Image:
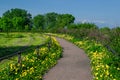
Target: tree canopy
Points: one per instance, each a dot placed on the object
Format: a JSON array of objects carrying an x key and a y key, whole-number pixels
[
  {"x": 16, "y": 18},
  {"x": 20, "y": 20},
  {"x": 39, "y": 22}
]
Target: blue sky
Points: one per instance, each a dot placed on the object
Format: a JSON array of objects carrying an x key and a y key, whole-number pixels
[{"x": 106, "y": 12}]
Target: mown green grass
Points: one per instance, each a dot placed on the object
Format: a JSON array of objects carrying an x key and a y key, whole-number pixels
[
  {"x": 20, "y": 39},
  {"x": 16, "y": 41}
]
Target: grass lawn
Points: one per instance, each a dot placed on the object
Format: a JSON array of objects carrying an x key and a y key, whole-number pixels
[{"x": 16, "y": 41}]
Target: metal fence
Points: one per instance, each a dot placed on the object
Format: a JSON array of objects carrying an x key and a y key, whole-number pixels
[{"x": 26, "y": 48}]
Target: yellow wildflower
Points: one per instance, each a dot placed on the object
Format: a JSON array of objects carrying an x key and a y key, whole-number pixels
[
  {"x": 96, "y": 74},
  {"x": 17, "y": 79},
  {"x": 107, "y": 66},
  {"x": 11, "y": 66},
  {"x": 101, "y": 75},
  {"x": 24, "y": 73},
  {"x": 31, "y": 70},
  {"x": 96, "y": 78},
  {"x": 118, "y": 68},
  {"x": 23, "y": 65},
  {"x": 107, "y": 72}
]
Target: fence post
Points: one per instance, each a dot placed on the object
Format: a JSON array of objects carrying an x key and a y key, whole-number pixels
[
  {"x": 49, "y": 43},
  {"x": 19, "y": 57},
  {"x": 37, "y": 51}
]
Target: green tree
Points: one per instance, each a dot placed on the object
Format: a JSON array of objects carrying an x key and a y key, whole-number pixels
[
  {"x": 51, "y": 19},
  {"x": 20, "y": 16},
  {"x": 6, "y": 24},
  {"x": 18, "y": 23},
  {"x": 65, "y": 20},
  {"x": 39, "y": 22},
  {"x": 0, "y": 25},
  {"x": 87, "y": 25},
  {"x": 105, "y": 30}
]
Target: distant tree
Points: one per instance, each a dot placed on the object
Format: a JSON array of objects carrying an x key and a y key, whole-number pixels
[
  {"x": 51, "y": 19},
  {"x": 87, "y": 26},
  {"x": 6, "y": 24},
  {"x": 83, "y": 26},
  {"x": 105, "y": 30},
  {"x": 0, "y": 25},
  {"x": 20, "y": 16},
  {"x": 18, "y": 23},
  {"x": 39, "y": 22},
  {"x": 65, "y": 20}
]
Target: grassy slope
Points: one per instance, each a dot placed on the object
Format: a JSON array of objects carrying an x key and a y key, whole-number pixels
[
  {"x": 17, "y": 40},
  {"x": 20, "y": 39}
]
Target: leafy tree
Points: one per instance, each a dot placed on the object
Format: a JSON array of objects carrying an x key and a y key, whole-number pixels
[
  {"x": 83, "y": 26},
  {"x": 0, "y": 25},
  {"x": 87, "y": 26},
  {"x": 20, "y": 16},
  {"x": 39, "y": 22},
  {"x": 65, "y": 20},
  {"x": 105, "y": 30},
  {"x": 51, "y": 19},
  {"x": 15, "y": 13},
  {"x": 6, "y": 24},
  {"x": 18, "y": 23}
]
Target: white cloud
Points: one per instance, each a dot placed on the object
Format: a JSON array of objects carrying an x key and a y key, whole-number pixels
[
  {"x": 99, "y": 21},
  {"x": 84, "y": 21},
  {"x": 93, "y": 21},
  {"x": 90, "y": 21}
]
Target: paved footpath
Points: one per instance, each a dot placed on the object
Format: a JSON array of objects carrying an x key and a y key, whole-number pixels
[{"x": 74, "y": 65}]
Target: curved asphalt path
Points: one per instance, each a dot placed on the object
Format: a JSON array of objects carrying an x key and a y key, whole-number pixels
[{"x": 74, "y": 65}]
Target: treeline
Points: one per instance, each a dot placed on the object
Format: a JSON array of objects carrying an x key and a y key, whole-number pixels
[{"x": 20, "y": 20}]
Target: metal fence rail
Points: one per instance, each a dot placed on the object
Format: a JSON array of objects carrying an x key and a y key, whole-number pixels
[{"x": 25, "y": 48}]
